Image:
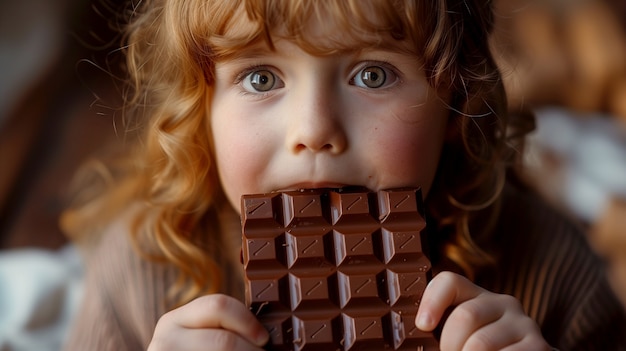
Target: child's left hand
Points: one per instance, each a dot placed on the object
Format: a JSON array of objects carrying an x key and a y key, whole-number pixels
[{"x": 480, "y": 320}]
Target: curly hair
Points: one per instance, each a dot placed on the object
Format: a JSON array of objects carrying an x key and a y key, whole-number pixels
[{"x": 171, "y": 47}]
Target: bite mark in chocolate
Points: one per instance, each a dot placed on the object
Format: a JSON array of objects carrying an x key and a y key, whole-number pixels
[{"x": 337, "y": 269}]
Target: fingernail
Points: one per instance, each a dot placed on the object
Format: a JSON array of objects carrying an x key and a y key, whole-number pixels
[
  {"x": 424, "y": 321},
  {"x": 262, "y": 337}
]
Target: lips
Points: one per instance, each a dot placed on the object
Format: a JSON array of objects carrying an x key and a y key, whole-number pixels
[{"x": 315, "y": 185}]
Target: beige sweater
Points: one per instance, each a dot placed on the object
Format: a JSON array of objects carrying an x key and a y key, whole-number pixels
[{"x": 545, "y": 263}]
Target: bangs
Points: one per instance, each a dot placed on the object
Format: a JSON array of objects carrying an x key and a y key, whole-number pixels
[{"x": 320, "y": 27}]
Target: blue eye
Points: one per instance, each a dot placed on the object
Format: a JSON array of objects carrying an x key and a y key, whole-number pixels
[
  {"x": 261, "y": 80},
  {"x": 374, "y": 77}
]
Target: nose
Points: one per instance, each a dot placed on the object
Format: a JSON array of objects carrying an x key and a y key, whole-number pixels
[{"x": 315, "y": 124}]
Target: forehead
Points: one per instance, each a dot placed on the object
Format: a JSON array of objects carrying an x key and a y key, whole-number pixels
[{"x": 319, "y": 27}]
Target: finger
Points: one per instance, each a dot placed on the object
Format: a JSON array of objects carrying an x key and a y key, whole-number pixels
[
  {"x": 201, "y": 340},
  {"x": 533, "y": 342},
  {"x": 526, "y": 334},
  {"x": 444, "y": 290},
  {"x": 473, "y": 321},
  {"x": 221, "y": 311},
  {"x": 496, "y": 335}
]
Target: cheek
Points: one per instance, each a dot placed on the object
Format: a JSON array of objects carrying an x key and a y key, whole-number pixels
[
  {"x": 409, "y": 151},
  {"x": 239, "y": 151},
  {"x": 239, "y": 163}
]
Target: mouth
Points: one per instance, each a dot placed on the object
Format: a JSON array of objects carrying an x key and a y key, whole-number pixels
[{"x": 317, "y": 185}]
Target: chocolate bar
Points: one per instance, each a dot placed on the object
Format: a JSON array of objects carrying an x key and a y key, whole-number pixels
[{"x": 337, "y": 269}]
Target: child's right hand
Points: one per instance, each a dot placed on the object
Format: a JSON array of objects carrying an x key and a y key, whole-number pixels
[{"x": 216, "y": 322}]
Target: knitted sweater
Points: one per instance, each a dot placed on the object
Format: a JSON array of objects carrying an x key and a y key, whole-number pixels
[{"x": 544, "y": 261}]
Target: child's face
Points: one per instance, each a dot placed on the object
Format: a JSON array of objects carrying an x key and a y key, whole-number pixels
[{"x": 286, "y": 119}]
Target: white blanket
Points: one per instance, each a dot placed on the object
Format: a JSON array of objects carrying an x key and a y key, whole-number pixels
[
  {"x": 591, "y": 149},
  {"x": 39, "y": 292}
]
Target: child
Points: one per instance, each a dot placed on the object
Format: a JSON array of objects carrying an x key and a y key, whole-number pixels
[{"x": 254, "y": 96}]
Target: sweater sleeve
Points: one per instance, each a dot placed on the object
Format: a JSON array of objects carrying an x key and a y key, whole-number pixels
[
  {"x": 598, "y": 323},
  {"x": 547, "y": 264},
  {"x": 123, "y": 296}
]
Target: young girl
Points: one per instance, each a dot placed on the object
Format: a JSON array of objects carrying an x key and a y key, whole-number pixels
[{"x": 254, "y": 96}]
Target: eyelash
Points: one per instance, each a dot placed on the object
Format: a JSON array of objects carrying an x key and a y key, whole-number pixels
[
  {"x": 239, "y": 78},
  {"x": 371, "y": 63},
  {"x": 245, "y": 72}
]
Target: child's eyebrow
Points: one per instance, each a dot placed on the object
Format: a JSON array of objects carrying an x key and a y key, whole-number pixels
[{"x": 252, "y": 51}]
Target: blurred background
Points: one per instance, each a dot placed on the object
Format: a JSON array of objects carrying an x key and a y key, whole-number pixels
[
  {"x": 566, "y": 61},
  {"x": 59, "y": 102},
  {"x": 60, "y": 97}
]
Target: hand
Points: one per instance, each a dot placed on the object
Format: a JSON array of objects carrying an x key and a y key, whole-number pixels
[
  {"x": 480, "y": 320},
  {"x": 213, "y": 322}
]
